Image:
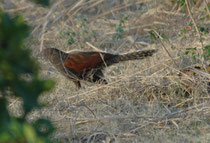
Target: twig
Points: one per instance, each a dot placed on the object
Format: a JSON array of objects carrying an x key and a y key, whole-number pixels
[
  {"x": 95, "y": 48},
  {"x": 94, "y": 5},
  {"x": 169, "y": 115},
  {"x": 42, "y": 36},
  {"x": 107, "y": 118},
  {"x": 206, "y": 7},
  {"x": 20, "y": 9},
  {"x": 196, "y": 27},
  {"x": 207, "y": 75},
  {"x": 83, "y": 104},
  {"x": 47, "y": 16},
  {"x": 159, "y": 37},
  {"x": 118, "y": 8}
]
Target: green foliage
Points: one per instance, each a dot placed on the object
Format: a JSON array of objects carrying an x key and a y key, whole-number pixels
[
  {"x": 120, "y": 28},
  {"x": 69, "y": 35},
  {"x": 19, "y": 77},
  {"x": 163, "y": 35},
  {"x": 85, "y": 32},
  {"x": 43, "y": 2},
  {"x": 192, "y": 51},
  {"x": 183, "y": 32},
  {"x": 206, "y": 52},
  {"x": 21, "y": 133},
  {"x": 83, "y": 26},
  {"x": 203, "y": 30},
  {"x": 152, "y": 36},
  {"x": 181, "y": 2}
]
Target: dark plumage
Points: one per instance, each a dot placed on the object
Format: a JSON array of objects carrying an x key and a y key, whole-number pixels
[{"x": 88, "y": 66}]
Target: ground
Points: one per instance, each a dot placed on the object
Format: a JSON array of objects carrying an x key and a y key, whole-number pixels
[{"x": 157, "y": 99}]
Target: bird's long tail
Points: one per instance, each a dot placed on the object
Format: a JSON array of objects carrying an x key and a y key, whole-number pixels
[
  {"x": 136, "y": 55},
  {"x": 132, "y": 56}
]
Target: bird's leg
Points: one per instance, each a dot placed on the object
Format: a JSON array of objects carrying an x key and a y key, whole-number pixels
[
  {"x": 99, "y": 77},
  {"x": 77, "y": 83}
]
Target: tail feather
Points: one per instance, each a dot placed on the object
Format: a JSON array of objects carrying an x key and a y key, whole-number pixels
[{"x": 132, "y": 56}]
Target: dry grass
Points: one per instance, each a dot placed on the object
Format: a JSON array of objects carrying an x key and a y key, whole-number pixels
[{"x": 145, "y": 100}]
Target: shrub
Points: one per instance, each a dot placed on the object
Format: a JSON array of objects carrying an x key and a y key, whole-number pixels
[{"x": 19, "y": 77}]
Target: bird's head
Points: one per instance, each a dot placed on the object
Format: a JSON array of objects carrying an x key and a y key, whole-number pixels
[
  {"x": 52, "y": 54},
  {"x": 49, "y": 51}
]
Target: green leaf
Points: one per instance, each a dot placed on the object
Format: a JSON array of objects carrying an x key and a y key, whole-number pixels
[
  {"x": 44, "y": 127},
  {"x": 152, "y": 36},
  {"x": 4, "y": 115},
  {"x": 206, "y": 53},
  {"x": 19, "y": 76},
  {"x": 43, "y": 2},
  {"x": 165, "y": 37},
  {"x": 29, "y": 133}
]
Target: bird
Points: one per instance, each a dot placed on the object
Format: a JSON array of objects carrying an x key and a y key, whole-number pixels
[{"x": 88, "y": 66}]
